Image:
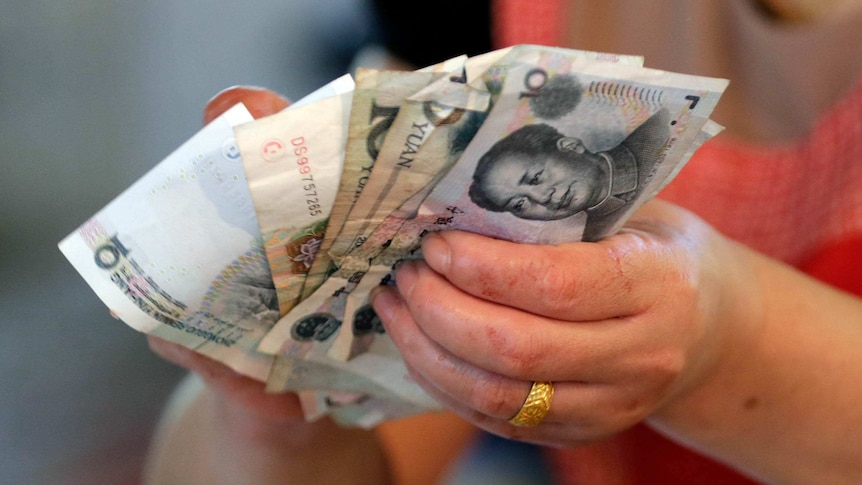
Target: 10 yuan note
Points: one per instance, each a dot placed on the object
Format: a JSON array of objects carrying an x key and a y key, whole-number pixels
[
  {"x": 569, "y": 151},
  {"x": 376, "y": 101}
]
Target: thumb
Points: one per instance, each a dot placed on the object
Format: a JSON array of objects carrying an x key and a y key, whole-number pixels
[{"x": 259, "y": 101}]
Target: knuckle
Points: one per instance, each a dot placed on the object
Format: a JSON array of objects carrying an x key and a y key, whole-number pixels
[
  {"x": 490, "y": 398},
  {"x": 664, "y": 369},
  {"x": 546, "y": 279},
  {"x": 519, "y": 357},
  {"x": 556, "y": 287}
]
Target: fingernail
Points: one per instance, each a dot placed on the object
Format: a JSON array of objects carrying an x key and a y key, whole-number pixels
[
  {"x": 383, "y": 299},
  {"x": 405, "y": 277},
  {"x": 437, "y": 252},
  {"x": 377, "y": 290}
]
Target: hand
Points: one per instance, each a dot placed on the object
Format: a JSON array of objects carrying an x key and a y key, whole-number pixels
[
  {"x": 235, "y": 389},
  {"x": 622, "y": 327}
]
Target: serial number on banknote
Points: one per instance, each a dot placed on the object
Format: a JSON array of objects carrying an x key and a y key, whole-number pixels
[{"x": 312, "y": 201}]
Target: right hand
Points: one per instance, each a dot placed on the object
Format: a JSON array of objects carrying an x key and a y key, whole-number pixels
[{"x": 623, "y": 327}]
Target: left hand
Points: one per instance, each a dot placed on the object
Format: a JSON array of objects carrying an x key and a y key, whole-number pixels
[{"x": 622, "y": 327}]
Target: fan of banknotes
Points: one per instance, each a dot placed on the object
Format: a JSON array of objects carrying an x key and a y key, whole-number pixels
[{"x": 257, "y": 242}]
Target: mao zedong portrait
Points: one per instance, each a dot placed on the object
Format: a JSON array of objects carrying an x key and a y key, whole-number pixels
[{"x": 538, "y": 173}]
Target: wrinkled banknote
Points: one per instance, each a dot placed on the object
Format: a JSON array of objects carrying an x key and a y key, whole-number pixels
[
  {"x": 571, "y": 145},
  {"x": 293, "y": 162},
  {"x": 570, "y": 149},
  {"x": 377, "y": 98},
  {"x": 376, "y": 102},
  {"x": 532, "y": 144},
  {"x": 178, "y": 255},
  {"x": 423, "y": 146}
]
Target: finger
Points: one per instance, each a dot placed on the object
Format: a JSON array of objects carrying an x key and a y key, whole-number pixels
[
  {"x": 577, "y": 281},
  {"x": 206, "y": 367},
  {"x": 236, "y": 387},
  {"x": 571, "y": 430},
  {"x": 516, "y": 344},
  {"x": 498, "y": 396},
  {"x": 579, "y": 411},
  {"x": 494, "y": 395},
  {"x": 259, "y": 102}
]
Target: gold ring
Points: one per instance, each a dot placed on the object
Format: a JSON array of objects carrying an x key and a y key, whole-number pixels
[{"x": 536, "y": 406}]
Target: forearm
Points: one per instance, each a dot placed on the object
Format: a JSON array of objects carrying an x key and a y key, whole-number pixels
[
  {"x": 783, "y": 404},
  {"x": 213, "y": 442}
]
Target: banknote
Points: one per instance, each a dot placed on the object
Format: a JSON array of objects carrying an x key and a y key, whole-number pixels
[
  {"x": 310, "y": 339},
  {"x": 571, "y": 146},
  {"x": 295, "y": 218},
  {"x": 423, "y": 139},
  {"x": 431, "y": 128},
  {"x": 178, "y": 254},
  {"x": 293, "y": 162},
  {"x": 422, "y": 145},
  {"x": 629, "y": 129},
  {"x": 376, "y": 101}
]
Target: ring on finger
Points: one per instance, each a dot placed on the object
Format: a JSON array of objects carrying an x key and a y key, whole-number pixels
[{"x": 536, "y": 406}]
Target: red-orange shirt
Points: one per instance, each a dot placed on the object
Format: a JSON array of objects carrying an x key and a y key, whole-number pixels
[{"x": 799, "y": 202}]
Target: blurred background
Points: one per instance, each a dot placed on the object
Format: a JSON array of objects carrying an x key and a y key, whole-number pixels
[{"x": 93, "y": 94}]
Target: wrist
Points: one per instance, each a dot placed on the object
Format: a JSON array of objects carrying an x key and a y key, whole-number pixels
[{"x": 720, "y": 382}]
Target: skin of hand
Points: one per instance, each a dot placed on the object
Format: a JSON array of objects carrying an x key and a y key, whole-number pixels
[
  {"x": 621, "y": 326},
  {"x": 667, "y": 322},
  {"x": 241, "y": 434}
]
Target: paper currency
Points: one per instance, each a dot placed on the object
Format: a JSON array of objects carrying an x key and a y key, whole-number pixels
[
  {"x": 178, "y": 255},
  {"x": 424, "y": 140},
  {"x": 570, "y": 149},
  {"x": 430, "y": 129},
  {"x": 531, "y": 144},
  {"x": 293, "y": 162},
  {"x": 376, "y": 101},
  {"x": 571, "y": 146},
  {"x": 421, "y": 156},
  {"x": 628, "y": 139},
  {"x": 310, "y": 340}
]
